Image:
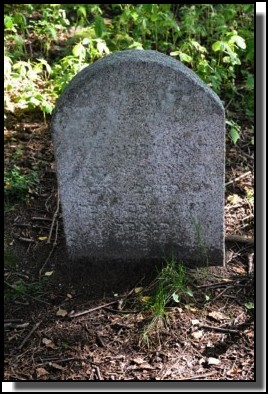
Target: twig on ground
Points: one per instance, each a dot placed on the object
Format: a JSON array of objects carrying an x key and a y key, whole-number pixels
[
  {"x": 46, "y": 261},
  {"x": 205, "y": 375},
  {"x": 248, "y": 217},
  {"x": 250, "y": 263},
  {"x": 239, "y": 239},
  {"x": 54, "y": 218},
  {"x": 52, "y": 250},
  {"x": 47, "y": 200},
  {"x": 9, "y": 285},
  {"x": 99, "y": 340},
  {"x": 37, "y": 299},
  {"x": 105, "y": 305},
  {"x": 120, "y": 311},
  {"x": 220, "y": 329},
  {"x": 58, "y": 361},
  {"x": 238, "y": 178},
  {"x": 16, "y": 273},
  {"x": 221, "y": 293},
  {"x": 56, "y": 234},
  {"x": 26, "y": 239},
  {"x": 18, "y": 325},
  {"x": 30, "y": 333},
  {"x": 97, "y": 369},
  {"x": 215, "y": 285},
  {"x": 43, "y": 219},
  {"x": 13, "y": 321},
  {"x": 92, "y": 309},
  {"x": 21, "y": 303},
  {"x": 136, "y": 285}
]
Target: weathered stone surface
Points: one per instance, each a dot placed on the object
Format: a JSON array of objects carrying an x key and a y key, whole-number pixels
[{"x": 139, "y": 143}]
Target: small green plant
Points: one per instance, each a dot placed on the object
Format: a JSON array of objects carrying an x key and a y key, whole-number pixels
[
  {"x": 159, "y": 301},
  {"x": 17, "y": 184},
  {"x": 168, "y": 287},
  {"x": 154, "y": 327},
  {"x": 19, "y": 290},
  {"x": 234, "y": 130},
  {"x": 249, "y": 305}
]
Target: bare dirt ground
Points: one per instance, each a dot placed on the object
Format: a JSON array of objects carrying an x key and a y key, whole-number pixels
[{"x": 209, "y": 337}]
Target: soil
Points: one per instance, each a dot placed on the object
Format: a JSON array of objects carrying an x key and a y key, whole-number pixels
[{"x": 206, "y": 337}]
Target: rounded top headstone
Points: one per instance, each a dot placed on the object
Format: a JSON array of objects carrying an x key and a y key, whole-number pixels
[
  {"x": 141, "y": 59},
  {"x": 139, "y": 143}
]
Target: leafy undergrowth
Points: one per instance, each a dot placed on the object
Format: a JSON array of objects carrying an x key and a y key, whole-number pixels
[
  {"x": 47, "y": 44},
  {"x": 206, "y": 329}
]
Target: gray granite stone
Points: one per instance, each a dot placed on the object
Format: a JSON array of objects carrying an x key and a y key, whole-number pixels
[{"x": 140, "y": 145}]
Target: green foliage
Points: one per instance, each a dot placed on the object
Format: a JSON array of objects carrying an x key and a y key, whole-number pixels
[
  {"x": 19, "y": 290},
  {"x": 172, "y": 278},
  {"x": 47, "y": 44},
  {"x": 18, "y": 185},
  {"x": 169, "y": 287},
  {"x": 23, "y": 82},
  {"x": 234, "y": 130},
  {"x": 249, "y": 305}
]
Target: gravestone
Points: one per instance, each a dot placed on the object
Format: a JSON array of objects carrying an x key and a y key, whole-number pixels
[{"x": 139, "y": 144}]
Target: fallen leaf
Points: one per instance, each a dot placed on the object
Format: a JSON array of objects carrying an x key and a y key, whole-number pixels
[
  {"x": 175, "y": 297},
  {"x": 69, "y": 296},
  {"x": 41, "y": 372},
  {"x": 57, "y": 366},
  {"x": 213, "y": 361},
  {"x": 145, "y": 366},
  {"x": 49, "y": 273},
  {"x": 195, "y": 322},
  {"x": 61, "y": 312},
  {"x": 49, "y": 343},
  {"x": 234, "y": 199},
  {"x": 193, "y": 309},
  {"x": 190, "y": 308},
  {"x": 138, "y": 360},
  {"x": 42, "y": 238},
  {"x": 238, "y": 270},
  {"x": 233, "y": 371},
  {"x": 138, "y": 290},
  {"x": 249, "y": 333},
  {"x": 197, "y": 334},
  {"x": 218, "y": 315},
  {"x": 145, "y": 298}
]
